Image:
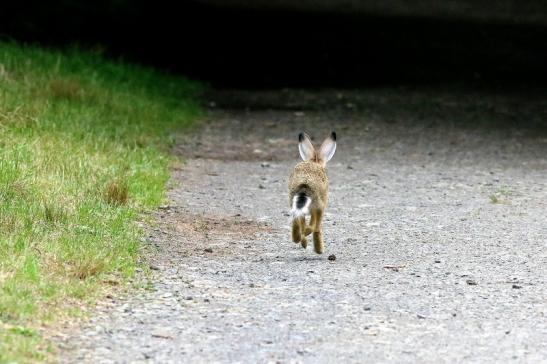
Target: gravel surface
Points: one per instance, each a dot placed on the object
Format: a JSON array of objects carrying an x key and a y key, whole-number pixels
[{"x": 435, "y": 227}]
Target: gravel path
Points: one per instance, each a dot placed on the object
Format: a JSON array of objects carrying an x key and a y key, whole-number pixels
[{"x": 436, "y": 218}]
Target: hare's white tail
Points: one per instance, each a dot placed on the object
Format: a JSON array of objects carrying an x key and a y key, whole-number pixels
[{"x": 300, "y": 205}]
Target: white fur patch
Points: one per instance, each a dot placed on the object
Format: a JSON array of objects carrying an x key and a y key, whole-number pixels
[{"x": 305, "y": 210}]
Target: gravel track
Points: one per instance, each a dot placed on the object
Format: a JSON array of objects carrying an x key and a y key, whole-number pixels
[{"x": 436, "y": 218}]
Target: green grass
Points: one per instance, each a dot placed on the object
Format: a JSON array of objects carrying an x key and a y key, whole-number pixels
[
  {"x": 83, "y": 151},
  {"x": 501, "y": 195}
]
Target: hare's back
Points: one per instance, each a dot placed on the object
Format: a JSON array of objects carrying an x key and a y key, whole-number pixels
[{"x": 310, "y": 174}]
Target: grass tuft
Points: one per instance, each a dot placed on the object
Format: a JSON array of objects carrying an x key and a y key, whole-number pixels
[
  {"x": 116, "y": 193},
  {"x": 53, "y": 214},
  {"x": 66, "y": 89},
  {"x": 23, "y": 331},
  {"x": 72, "y": 123}
]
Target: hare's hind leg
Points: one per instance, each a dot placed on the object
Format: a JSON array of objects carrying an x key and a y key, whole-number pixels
[
  {"x": 298, "y": 226},
  {"x": 296, "y": 231},
  {"x": 303, "y": 241},
  {"x": 311, "y": 227},
  {"x": 317, "y": 216}
]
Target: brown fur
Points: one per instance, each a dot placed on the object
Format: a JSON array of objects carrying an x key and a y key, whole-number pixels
[{"x": 310, "y": 177}]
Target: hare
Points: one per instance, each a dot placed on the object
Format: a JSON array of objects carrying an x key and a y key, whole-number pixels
[{"x": 308, "y": 189}]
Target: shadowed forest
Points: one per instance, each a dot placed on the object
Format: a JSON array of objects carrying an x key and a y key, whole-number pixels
[{"x": 314, "y": 44}]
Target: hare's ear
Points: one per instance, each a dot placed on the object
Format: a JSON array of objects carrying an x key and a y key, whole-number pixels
[
  {"x": 307, "y": 151},
  {"x": 328, "y": 148}
]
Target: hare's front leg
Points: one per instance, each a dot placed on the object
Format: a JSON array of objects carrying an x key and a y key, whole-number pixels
[{"x": 317, "y": 217}]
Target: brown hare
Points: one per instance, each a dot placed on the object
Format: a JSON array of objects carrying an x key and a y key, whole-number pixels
[{"x": 308, "y": 190}]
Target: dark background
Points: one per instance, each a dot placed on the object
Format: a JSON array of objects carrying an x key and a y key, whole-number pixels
[{"x": 265, "y": 44}]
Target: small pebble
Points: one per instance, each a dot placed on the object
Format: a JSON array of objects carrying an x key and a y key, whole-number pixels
[
  {"x": 208, "y": 250},
  {"x": 162, "y": 333},
  {"x": 471, "y": 282}
]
